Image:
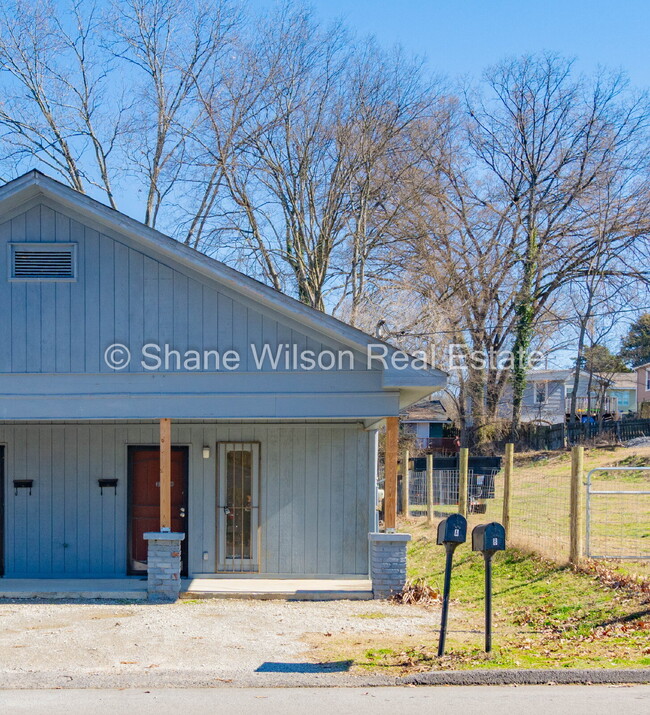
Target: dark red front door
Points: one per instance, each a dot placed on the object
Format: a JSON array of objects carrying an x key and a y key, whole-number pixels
[{"x": 144, "y": 501}]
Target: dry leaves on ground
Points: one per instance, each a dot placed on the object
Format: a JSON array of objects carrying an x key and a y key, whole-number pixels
[{"x": 417, "y": 592}]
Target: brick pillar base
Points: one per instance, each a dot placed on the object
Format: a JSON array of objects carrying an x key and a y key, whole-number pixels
[
  {"x": 164, "y": 565},
  {"x": 387, "y": 563}
]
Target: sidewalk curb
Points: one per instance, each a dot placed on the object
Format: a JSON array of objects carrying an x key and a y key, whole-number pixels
[
  {"x": 218, "y": 679},
  {"x": 567, "y": 676}
]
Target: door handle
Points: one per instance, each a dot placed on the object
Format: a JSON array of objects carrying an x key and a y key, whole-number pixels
[{"x": 182, "y": 512}]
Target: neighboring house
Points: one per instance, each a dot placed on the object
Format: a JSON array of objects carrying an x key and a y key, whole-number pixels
[
  {"x": 642, "y": 373},
  {"x": 624, "y": 389},
  {"x": 426, "y": 421},
  {"x": 268, "y": 469},
  {"x": 547, "y": 397}
]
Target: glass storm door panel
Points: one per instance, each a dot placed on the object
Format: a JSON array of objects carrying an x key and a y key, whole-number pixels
[{"x": 238, "y": 508}]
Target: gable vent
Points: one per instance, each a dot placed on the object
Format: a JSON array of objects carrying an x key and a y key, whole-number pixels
[{"x": 43, "y": 262}]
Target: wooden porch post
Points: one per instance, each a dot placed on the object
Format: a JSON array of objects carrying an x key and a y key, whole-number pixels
[
  {"x": 165, "y": 474},
  {"x": 390, "y": 474}
]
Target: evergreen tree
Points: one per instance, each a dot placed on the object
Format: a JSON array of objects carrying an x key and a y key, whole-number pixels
[
  {"x": 598, "y": 360},
  {"x": 635, "y": 348}
]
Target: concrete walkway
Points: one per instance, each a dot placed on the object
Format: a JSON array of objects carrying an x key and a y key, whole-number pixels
[{"x": 281, "y": 589}]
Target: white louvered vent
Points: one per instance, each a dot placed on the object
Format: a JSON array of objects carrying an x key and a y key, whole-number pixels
[{"x": 42, "y": 261}]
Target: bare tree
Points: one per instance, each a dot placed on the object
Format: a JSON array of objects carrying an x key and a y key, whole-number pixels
[
  {"x": 617, "y": 214},
  {"x": 53, "y": 106},
  {"x": 543, "y": 138},
  {"x": 305, "y": 144},
  {"x": 172, "y": 43}
]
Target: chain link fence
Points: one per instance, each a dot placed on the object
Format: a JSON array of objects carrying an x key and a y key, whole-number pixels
[{"x": 445, "y": 491}]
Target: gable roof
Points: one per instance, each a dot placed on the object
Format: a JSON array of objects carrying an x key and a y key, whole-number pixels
[{"x": 412, "y": 382}]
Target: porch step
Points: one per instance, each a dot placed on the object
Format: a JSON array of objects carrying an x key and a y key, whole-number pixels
[
  {"x": 278, "y": 589},
  {"x": 71, "y": 588}
]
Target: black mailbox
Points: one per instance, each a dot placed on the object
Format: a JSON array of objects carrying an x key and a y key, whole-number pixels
[
  {"x": 452, "y": 530},
  {"x": 489, "y": 537}
]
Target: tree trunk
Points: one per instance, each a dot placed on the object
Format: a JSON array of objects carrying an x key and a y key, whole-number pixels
[{"x": 523, "y": 332}]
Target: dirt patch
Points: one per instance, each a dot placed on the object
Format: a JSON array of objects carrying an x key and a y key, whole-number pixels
[{"x": 232, "y": 638}]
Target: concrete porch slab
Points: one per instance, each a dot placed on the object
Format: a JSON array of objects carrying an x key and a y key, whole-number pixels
[
  {"x": 135, "y": 589},
  {"x": 131, "y": 589},
  {"x": 279, "y": 589}
]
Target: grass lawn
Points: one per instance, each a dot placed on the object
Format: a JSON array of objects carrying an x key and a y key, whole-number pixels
[{"x": 545, "y": 615}]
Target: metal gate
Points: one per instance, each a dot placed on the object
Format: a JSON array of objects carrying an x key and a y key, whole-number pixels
[{"x": 618, "y": 519}]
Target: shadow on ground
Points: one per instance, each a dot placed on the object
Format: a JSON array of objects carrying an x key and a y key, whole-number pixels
[{"x": 337, "y": 666}]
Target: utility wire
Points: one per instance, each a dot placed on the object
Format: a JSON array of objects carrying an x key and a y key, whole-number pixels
[{"x": 404, "y": 333}]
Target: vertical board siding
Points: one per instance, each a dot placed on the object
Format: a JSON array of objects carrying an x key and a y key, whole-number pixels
[
  {"x": 122, "y": 294},
  {"x": 315, "y": 482}
]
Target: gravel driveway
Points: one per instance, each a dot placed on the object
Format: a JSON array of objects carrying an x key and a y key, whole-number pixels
[{"x": 227, "y": 639}]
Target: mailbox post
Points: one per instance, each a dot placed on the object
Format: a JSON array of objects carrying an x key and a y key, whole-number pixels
[
  {"x": 488, "y": 538},
  {"x": 452, "y": 531}
]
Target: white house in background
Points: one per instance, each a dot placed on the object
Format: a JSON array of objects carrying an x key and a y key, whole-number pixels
[{"x": 547, "y": 397}]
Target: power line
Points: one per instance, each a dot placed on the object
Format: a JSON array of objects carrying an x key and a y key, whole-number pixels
[{"x": 404, "y": 333}]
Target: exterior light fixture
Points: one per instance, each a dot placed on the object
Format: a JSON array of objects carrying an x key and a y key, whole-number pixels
[{"x": 206, "y": 452}]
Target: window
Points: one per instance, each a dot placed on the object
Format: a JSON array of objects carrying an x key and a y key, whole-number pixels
[
  {"x": 623, "y": 397},
  {"x": 647, "y": 379},
  {"x": 540, "y": 392},
  {"x": 43, "y": 261}
]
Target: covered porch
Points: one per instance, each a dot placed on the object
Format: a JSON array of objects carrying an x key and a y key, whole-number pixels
[
  {"x": 299, "y": 508},
  {"x": 306, "y": 495}
]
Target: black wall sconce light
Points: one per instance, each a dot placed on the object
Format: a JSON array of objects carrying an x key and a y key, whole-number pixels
[
  {"x": 23, "y": 484},
  {"x": 107, "y": 484}
]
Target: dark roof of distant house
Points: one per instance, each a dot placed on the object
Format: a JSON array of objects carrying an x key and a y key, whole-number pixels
[{"x": 425, "y": 411}]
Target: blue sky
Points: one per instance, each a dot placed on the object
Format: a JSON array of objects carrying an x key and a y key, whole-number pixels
[{"x": 461, "y": 37}]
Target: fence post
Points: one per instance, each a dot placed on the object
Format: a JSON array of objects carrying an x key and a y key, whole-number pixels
[
  {"x": 507, "y": 481},
  {"x": 429, "y": 489},
  {"x": 405, "y": 482},
  {"x": 463, "y": 464},
  {"x": 576, "y": 512}
]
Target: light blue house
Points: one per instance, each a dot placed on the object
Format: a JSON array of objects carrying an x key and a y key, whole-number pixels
[{"x": 108, "y": 327}]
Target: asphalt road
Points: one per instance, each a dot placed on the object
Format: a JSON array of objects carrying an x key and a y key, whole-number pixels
[{"x": 529, "y": 699}]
